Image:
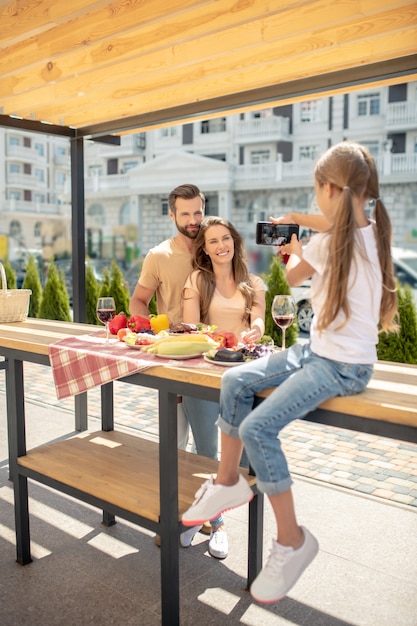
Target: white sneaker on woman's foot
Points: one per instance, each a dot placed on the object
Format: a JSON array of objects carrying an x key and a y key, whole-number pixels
[
  {"x": 218, "y": 544},
  {"x": 283, "y": 568},
  {"x": 188, "y": 535},
  {"x": 211, "y": 500}
]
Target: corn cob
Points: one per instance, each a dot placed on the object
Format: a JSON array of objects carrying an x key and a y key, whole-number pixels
[
  {"x": 179, "y": 348},
  {"x": 186, "y": 337}
]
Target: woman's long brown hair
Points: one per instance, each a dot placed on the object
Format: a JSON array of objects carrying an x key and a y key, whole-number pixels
[
  {"x": 351, "y": 167},
  {"x": 206, "y": 280}
]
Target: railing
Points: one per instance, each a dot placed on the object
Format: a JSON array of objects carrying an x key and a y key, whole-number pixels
[
  {"x": 401, "y": 114},
  {"x": 31, "y": 207},
  {"x": 272, "y": 128},
  {"x": 104, "y": 183}
]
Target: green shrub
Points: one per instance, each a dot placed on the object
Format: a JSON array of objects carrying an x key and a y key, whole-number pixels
[
  {"x": 92, "y": 289},
  {"x": 55, "y": 301},
  {"x": 32, "y": 281},
  {"x": 118, "y": 288},
  {"x": 276, "y": 284},
  {"x": 10, "y": 275},
  {"x": 401, "y": 347}
]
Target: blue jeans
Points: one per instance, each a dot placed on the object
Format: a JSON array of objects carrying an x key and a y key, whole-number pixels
[{"x": 303, "y": 380}]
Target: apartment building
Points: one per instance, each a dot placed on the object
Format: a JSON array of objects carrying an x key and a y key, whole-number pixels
[{"x": 249, "y": 165}]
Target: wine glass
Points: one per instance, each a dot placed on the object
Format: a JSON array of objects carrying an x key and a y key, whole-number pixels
[
  {"x": 283, "y": 313},
  {"x": 106, "y": 310}
]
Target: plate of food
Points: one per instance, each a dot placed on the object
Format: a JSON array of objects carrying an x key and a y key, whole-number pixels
[
  {"x": 222, "y": 363},
  {"x": 177, "y": 357}
]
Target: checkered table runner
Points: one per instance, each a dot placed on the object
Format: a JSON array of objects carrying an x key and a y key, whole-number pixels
[{"x": 81, "y": 363}]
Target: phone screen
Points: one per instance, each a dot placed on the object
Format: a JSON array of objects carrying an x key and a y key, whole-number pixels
[{"x": 268, "y": 234}]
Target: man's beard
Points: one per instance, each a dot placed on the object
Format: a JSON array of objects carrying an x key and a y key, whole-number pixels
[{"x": 190, "y": 234}]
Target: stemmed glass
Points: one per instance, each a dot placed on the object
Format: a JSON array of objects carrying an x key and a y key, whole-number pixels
[
  {"x": 283, "y": 313},
  {"x": 106, "y": 310}
]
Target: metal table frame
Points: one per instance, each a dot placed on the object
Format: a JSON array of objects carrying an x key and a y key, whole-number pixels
[{"x": 168, "y": 527}]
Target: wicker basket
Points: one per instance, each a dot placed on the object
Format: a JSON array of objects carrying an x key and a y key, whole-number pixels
[{"x": 14, "y": 303}]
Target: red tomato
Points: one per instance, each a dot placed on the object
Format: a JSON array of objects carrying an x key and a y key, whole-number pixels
[
  {"x": 121, "y": 334},
  {"x": 229, "y": 338}
]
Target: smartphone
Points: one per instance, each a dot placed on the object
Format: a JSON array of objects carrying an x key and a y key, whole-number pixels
[{"x": 268, "y": 234}]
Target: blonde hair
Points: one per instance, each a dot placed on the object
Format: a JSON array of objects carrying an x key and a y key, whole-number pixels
[
  {"x": 206, "y": 280},
  {"x": 351, "y": 168}
]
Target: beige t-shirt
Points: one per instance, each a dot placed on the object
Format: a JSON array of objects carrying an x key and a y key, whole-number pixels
[
  {"x": 227, "y": 313},
  {"x": 165, "y": 270}
]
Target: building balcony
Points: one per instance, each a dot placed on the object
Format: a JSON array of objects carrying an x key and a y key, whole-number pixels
[
  {"x": 115, "y": 182},
  {"x": 401, "y": 116},
  {"x": 274, "y": 174},
  {"x": 263, "y": 129},
  {"x": 22, "y": 153},
  {"x": 30, "y": 207},
  {"x": 24, "y": 181}
]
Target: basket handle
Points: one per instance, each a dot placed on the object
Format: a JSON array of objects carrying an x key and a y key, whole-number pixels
[{"x": 3, "y": 278}]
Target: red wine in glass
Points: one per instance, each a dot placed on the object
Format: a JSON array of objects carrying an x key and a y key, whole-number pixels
[
  {"x": 106, "y": 310},
  {"x": 283, "y": 311}
]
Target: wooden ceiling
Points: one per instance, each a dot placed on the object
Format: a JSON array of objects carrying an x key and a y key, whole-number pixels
[{"x": 101, "y": 67}]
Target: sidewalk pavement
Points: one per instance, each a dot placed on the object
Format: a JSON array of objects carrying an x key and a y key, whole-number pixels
[
  {"x": 86, "y": 574},
  {"x": 363, "y": 463}
]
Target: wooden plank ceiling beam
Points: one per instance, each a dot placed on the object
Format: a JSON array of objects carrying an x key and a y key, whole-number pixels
[{"x": 103, "y": 64}]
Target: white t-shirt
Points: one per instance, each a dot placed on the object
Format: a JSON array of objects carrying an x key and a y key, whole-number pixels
[
  {"x": 227, "y": 313},
  {"x": 355, "y": 341}
]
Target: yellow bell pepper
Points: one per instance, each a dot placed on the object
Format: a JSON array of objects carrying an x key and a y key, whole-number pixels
[{"x": 159, "y": 322}]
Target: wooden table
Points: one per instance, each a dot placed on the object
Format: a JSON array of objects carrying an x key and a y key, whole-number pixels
[{"x": 144, "y": 482}]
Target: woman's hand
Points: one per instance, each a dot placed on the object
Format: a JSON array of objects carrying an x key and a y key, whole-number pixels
[{"x": 251, "y": 336}]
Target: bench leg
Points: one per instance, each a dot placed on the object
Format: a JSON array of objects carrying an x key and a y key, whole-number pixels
[
  {"x": 107, "y": 424},
  {"x": 255, "y": 537}
]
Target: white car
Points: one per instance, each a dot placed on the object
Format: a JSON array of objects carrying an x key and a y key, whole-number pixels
[{"x": 405, "y": 264}]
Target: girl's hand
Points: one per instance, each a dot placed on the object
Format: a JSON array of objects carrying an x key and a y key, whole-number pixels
[{"x": 294, "y": 247}]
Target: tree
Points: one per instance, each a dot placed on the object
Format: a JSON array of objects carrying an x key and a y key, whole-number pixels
[
  {"x": 92, "y": 289},
  {"x": 32, "y": 281},
  {"x": 55, "y": 301},
  {"x": 10, "y": 275},
  {"x": 401, "y": 347},
  {"x": 105, "y": 289},
  {"x": 277, "y": 284},
  {"x": 118, "y": 288}
]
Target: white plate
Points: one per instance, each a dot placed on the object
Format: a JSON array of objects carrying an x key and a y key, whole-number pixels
[
  {"x": 223, "y": 363},
  {"x": 177, "y": 357}
]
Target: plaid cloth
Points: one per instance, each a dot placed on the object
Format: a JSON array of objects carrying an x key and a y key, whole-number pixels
[{"x": 81, "y": 363}]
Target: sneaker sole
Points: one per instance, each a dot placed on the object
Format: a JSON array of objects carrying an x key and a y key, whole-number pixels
[{"x": 195, "y": 522}]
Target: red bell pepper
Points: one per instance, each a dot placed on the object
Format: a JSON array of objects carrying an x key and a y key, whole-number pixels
[
  {"x": 119, "y": 321},
  {"x": 139, "y": 323}
]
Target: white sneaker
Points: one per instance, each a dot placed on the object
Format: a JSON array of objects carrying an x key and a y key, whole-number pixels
[
  {"x": 211, "y": 500},
  {"x": 283, "y": 568},
  {"x": 218, "y": 545},
  {"x": 188, "y": 535}
]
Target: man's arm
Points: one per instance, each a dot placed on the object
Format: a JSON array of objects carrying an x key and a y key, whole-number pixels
[{"x": 139, "y": 302}]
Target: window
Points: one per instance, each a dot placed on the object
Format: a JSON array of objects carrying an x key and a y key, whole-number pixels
[
  {"x": 39, "y": 198},
  {"x": 164, "y": 207},
  {"x": 60, "y": 151},
  {"x": 369, "y": 104},
  {"x": 213, "y": 126},
  {"x": 309, "y": 111},
  {"x": 260, "y": 156},
  {"x": 373, "y": 147},
  {"x": 308, "y": 153},
  {"x": 40, "y": 149},
  {"x": 13, "y": 195},
  {"x": 37, "y": 231},
  {"x": 14, "y": 141},
  {"x": 129, "y": 165},
  {"x": 40, "y": 175},
  {"x": 14, "y": 168},
  {"x": 15, "y": 228},
  {"x": 168, "y": 131},
  {"x": 219, "y": 157},
  {"x": 60, "y": 178}
]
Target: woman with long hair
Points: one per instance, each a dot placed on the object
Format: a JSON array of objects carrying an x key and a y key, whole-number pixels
[{"x": 220, "y": 292}]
